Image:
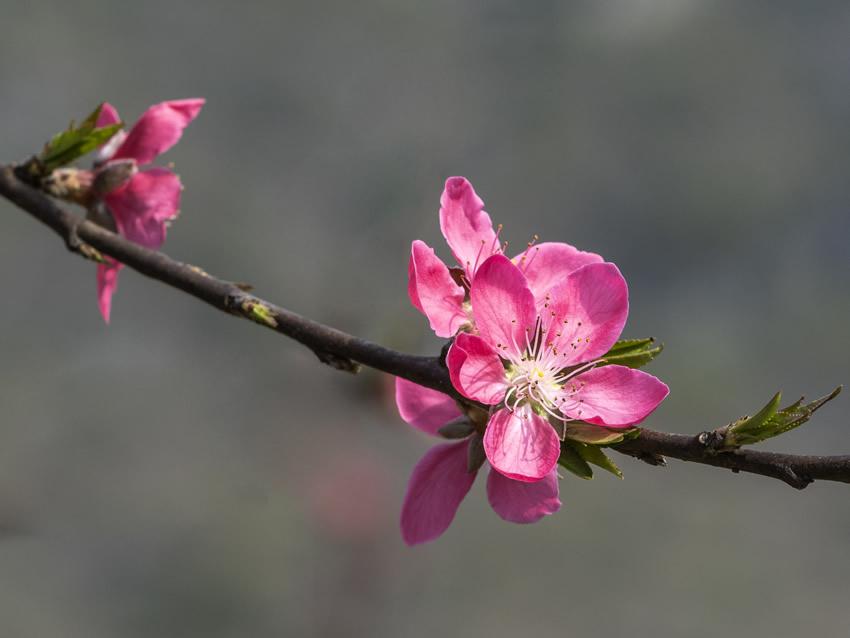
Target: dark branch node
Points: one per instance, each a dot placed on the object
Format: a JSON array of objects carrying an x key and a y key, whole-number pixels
[{"x": 340, "y": 363}]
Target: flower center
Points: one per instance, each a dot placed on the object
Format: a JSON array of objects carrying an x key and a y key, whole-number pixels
[
  {"x": 538, "y": 378},
  {"x": 535, "y": 383}
]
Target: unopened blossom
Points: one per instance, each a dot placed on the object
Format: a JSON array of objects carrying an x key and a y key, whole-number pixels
[
  {"x": 442, "y": 478},
  {"x": 537, "y": 362},
  {"x": 143, "y": 204},
  {"x": 441, "y": 294}
]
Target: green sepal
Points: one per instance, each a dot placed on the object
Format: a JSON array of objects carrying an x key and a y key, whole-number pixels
[
  {"x": 633, "y": 353},
  {"x": 459, "y": 429},
  {"x": 475, "y": 454},
  {"x": 593, "y": 434},
  {"x": 771, "y": 421},
  {"x": 76, "y": 141},
  {"x": 594, "y": 454},
  {"x": 571, "y": 460},
  {"x": 631, "y": 433}
]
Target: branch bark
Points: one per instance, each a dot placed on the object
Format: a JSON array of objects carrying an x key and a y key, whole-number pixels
[
  {"x": 347, "y": 352},
  {"x": 798, "y": 471}
]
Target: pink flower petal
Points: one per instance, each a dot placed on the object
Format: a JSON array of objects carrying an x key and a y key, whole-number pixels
[
  {"x": 520, "y": 502},
  {"x": 108, "y": 115},
  {"x": 433, "y": 292},
  {"x": 423, "y": 408},
  {"x": 521, "y": 445},
  {"x": 159, "y": 128},
  {"x": 434, "y": 492},
  {"x": 466, "y": 226},
  {"x": 107, "y": 284},
  {"x": 587, "y": 313},
  {"x": 502, "y": 305},
  {"x": 547, "y": 265},
  {"x": 615, "y": 396},
  {"x": 476, "y": 369},
  {"x": 145, "y": 204}
]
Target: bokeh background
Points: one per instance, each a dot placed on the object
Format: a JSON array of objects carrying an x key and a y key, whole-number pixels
[{"x": 181, "y": 473}]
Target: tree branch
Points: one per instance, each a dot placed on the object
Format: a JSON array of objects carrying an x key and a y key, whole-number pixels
[
  {"x": 796, "y": 470},
  {"x": 346, "y": 352}
]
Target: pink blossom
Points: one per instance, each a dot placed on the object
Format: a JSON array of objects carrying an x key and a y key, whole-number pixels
[
  {"x": 537, "y": 359},
  {"x": 441, "y": 479},
  {"x": 442, "y": 295},
  {"x": 143, "y": 206}
]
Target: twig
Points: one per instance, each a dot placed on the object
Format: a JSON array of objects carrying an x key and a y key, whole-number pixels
[
  {"x": 796, "y": 470},
  {"x": 345, "y": 351}
]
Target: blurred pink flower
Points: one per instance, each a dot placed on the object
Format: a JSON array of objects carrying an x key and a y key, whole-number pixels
[
  {"x": 536, "y": 358},
  {"x": 441, "y": 479},
  {"x": 350, "y": 497},
  {"x": 143, "y": 206},
  {"x": 441, "y": 294}
]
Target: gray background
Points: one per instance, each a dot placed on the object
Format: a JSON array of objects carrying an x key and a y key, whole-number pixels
[{"x": 180, "y": 473}]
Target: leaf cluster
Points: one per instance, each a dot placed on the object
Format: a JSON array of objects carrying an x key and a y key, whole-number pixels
[
  {"x": 76, "y": 141},
  {"x": 772, "y": 420}
]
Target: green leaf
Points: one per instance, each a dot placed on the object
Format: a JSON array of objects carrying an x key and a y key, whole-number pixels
[
  {"x": 771, "y": 421},
  {"x": 571, "y": 460},
  {"x": 593, "y": 434},
  {"x": 630, "y": 344},
  {"x": 76, "y": 141},
  {"x": 633, "y": 353},
  {"x": 798, "y": 413},
  {"x": 594, "y": 454},
  {"x": 72, "y": 145},
  {"x": 750, "y": 429}
]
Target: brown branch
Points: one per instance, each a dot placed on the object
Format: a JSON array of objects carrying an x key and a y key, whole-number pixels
[
  {"x": 330, "y": 345},
  {"x": 346, "y": 352},
  {"x": 796, "y": 470}
]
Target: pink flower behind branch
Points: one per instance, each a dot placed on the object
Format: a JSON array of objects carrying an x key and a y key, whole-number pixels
[
  {"x": 441, "y": 479},
  {"x": 467, "y": 228},
  {"x": 143, "y": 206}
]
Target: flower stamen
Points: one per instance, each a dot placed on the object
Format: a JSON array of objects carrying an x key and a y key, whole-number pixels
[{"x": 538, "y": 378}]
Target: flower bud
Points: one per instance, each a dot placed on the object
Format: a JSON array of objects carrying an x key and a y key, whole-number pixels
[
  {"x": 70, "y": 184},
  {"x": 113, "y": 175}
]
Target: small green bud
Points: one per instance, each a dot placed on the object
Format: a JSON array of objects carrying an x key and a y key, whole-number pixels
[{"x": 259, "y": 313}]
